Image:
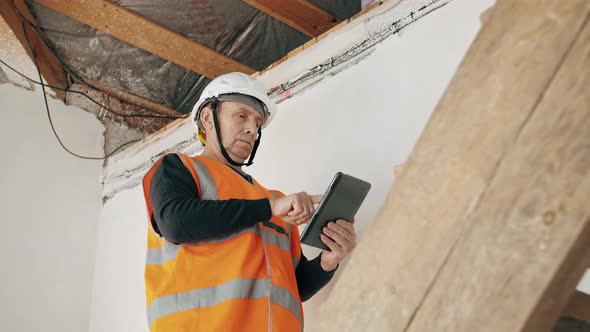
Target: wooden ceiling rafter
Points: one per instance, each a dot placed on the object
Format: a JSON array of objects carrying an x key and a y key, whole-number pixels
[
  {"x": 318, "y": 38},
  {"x": 301, "y": 15},
  {"x": 54, "y": 74},
  {"x": 148, "y": 35},
  {"x": 48, "y": 63}
]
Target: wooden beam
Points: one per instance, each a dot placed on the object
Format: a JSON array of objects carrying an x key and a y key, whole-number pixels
[
  {"x": 491, "y": 208},
  {"x": 535, "y": 206},
  {"x": 123, "y": 103},
  {"x": 129, "y": 98},
  {"x": 578, "y": 307},
  {"x": 49, "y": 65},
  {"x": 299, "y": 14},
  {"x": 148, "y": 35}
]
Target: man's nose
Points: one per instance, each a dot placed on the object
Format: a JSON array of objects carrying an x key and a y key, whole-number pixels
[{"x": 251, "y": 127}]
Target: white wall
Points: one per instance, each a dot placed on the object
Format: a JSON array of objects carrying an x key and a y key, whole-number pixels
[
  {"x": 118, "y": 294},
  {"x": 50, "y": 203},
  {"x": 361, "y": 121}
]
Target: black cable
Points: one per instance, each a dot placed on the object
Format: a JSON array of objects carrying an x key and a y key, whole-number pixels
[
  {"x": 78, "y": 77},
  {"x": 92, "y": 99},
  {"x": 57, "y": 56},
  {"x": 49, "y": 114}
]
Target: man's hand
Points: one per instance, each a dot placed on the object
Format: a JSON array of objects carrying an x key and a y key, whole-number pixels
[
  {"x": 341, "y": 239},
  {"x": 296, "y": 208}
]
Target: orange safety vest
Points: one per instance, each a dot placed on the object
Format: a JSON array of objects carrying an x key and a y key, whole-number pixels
[{"x": 244, "y": 281}]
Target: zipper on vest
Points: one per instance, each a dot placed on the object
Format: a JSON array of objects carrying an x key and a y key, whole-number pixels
[{"x": 266, "y": 258}]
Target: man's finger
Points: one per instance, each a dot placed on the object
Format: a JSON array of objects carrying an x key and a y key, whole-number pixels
[
  {"x": 299, "y": 220},
  {"x": 297, "y": 214},
  {"x": 310, "y": 207},
  {"x": 303, "y": 221},
  {"x": 294, "y": 220},
  {"x": 297, "y": 209},
  {"x": 340, "y": 239},
  {"x": 340, "y": 229},
  {"x": 346, "y": 225},
  {"x": 306, "y": 208},
  {"x": 331, "y": 244},
  {"x": 316, "y": 199}
]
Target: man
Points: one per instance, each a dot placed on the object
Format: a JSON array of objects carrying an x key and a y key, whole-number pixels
[{"x": 223, "y": 251}]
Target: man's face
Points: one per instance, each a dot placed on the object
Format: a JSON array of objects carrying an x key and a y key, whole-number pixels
[{"x": 239, "y": 126}]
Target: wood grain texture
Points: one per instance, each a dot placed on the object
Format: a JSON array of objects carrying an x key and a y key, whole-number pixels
[
  {"x": 528, "y": 239},
  {"x": 148, "y": 35},
  {"x": 491, "y": 98},
  {"x": 301, "y": 15},
  {"x": 49, "y": 65}
]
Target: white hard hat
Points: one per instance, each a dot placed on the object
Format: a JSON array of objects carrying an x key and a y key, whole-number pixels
[{"x": 234, "y": 84}]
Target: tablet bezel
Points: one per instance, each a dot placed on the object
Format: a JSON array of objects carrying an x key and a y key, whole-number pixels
[{"x": 311, "y": 234}]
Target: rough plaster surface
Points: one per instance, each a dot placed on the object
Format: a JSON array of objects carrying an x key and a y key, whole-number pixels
[
  {"x": 3, "y": 77},
  {"x": 117, "y": 134}
]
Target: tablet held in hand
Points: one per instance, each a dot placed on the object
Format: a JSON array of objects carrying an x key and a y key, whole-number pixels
[{"x": 342, "y": 200}]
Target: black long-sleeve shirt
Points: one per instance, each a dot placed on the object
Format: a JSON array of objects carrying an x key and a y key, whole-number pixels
[{"x": 181, "y": 217}]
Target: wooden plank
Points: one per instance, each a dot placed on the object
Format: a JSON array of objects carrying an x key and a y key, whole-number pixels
[
  {"x": 129, "y": 98},
  {"x": 493, "y": 94},
  {"x": 49, "y": 65},
  {"x": 299, "y": 14},
  {"x": 141, "y": 32},
  {"x": 317, "y": 39},
  {"x": 578, "y": 307},
  {"x": 366, "y": 10},
  {"x": 528, "y": 240}
]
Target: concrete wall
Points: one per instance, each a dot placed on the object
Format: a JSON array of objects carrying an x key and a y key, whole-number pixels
[{"x": 50, "y": 202}]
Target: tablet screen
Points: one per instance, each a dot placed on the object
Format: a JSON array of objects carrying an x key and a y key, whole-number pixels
[{"x": 342, "y": 200}]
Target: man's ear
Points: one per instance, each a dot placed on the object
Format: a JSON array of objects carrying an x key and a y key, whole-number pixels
[{"x": 207, "y": 117}]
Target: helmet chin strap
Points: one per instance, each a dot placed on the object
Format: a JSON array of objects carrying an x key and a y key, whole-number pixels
[{"x": 214, "y": 105}]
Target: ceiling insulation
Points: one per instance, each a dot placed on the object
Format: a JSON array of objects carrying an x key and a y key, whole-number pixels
[{"x": 229, "y": 27}]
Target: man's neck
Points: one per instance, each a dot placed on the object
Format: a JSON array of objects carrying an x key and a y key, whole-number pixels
[{"x": 217, "y": 156}]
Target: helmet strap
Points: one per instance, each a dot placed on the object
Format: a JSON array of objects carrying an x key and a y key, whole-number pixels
[{"x": 214, "y": 105}]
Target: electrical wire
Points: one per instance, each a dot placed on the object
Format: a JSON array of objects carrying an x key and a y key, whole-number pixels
[
  {"x": 49, "y": 113},
  {"x": 77, "y": 77},
  {"x": 90, "y": 98},
  {"x": 73, "y": 74}
]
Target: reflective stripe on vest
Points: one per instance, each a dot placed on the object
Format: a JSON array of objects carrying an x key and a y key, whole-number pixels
[
  {"x": 235, "y": 289},
  {"x": 208, "y": 188},
  {"x": 271, "y": 234},
  {"x": 169, "y": 251}
]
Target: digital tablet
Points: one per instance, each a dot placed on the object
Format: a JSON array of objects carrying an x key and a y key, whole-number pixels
[{"x": 342, "y": 200}]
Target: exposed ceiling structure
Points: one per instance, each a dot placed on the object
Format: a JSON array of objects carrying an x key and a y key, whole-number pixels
[{"x": 149, "y": 61}]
